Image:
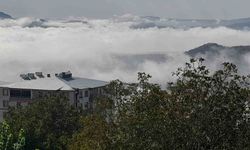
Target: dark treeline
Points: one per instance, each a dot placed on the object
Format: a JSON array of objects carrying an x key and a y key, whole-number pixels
[{"x": 199, "y": 110}]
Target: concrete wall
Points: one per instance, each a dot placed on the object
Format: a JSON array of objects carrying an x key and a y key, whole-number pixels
[
  {"x": 82, "y": 100},
  {"x": 4, "y": 98}
]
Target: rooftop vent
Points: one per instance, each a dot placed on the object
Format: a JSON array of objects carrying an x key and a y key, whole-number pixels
[
  {"x": 65, "y": 75},
  {"x": 39, "y": 74}
]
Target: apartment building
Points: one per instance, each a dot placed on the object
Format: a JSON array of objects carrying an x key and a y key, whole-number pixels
[{"x": 35, "y": 86}]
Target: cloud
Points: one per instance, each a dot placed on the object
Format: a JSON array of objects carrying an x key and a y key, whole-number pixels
[{"x": 102, "y": 49}]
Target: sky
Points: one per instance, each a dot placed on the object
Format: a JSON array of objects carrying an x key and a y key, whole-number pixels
[{"x": 202, "y": 9}]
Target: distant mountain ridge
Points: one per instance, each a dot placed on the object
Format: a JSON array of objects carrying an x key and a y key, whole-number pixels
[
  {"x": 214, "y": 48},
  {"x": 145, "y": 22},
  {"x": 215, "y": 54},
  {"x": 4, "y": 16},
  {"x": 151, "y": 22}
]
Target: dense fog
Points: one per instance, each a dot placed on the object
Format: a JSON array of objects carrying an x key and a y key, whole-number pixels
[{"x": 105, "y": 49}]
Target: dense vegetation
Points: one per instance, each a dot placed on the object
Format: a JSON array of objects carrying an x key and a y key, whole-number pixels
[
  {"x": 48, "y": 124},
  {"x": 200, "y": 110},
  {"x": 8, "y": 141}
]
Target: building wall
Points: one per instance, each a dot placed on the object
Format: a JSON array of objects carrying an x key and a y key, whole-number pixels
[
  {"x": 4, "y": 101},
  {"x": 83, "y": 99},
  {"x": 71, "y": 97}
]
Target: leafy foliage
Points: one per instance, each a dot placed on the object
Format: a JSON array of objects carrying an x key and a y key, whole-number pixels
[
  {"x": 93, "y": 135},
  {"x": 201, "y": 110},
  {"x": 49, "y": 123},
  {"x": 7, "y": 138},
  {"x": 208, "y": 111}
]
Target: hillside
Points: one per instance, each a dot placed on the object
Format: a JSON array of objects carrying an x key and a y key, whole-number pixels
[
  {"x": 215, "y": 49},
  {"x": 151, "y": 22},
  {"x": 4, "y": 16}
]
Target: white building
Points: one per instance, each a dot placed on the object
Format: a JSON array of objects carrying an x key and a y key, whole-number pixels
[{"x": 35, "y": 86}]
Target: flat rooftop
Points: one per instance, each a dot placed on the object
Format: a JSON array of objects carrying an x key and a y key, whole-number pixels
[{"x": 63, "y": 81}]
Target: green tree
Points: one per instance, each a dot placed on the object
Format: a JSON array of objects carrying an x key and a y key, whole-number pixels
[
  {"x": 209, "y": 110},
  {"x": 140, "y": 121},
  {"x": 128, "y": 117},
  {"x": 93, "y": 135},
  {"x": 49, "y": 123},
  {"x": 99, "y": 126},
  {"x": 7, "y": 138},
  {"x": 200, "y": 110}
]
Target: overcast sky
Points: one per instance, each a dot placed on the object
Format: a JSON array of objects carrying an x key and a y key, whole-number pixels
[{"x": 223, "y": 9}]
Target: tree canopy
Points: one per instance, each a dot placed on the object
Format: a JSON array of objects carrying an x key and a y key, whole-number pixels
[{"x": 200, "y": 110}]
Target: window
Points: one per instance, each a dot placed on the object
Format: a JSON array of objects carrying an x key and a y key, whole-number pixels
[
  {"x": 5, "y": 92},
  {"x": 80, "y": 94},
  {"x": 15, "y": 93},
  {"x": 5, "y": 103},
  {"x": 26, "y": 94},
  {"x": 20, "y": 93},
  {"x": 86, "y": 94}
]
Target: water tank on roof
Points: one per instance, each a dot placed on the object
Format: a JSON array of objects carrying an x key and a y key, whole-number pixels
[
  {"x": 31, "y": 76},
  {"x": 24, "y": 76},
  {"x": 65, "y": 75},
  {"x": 39, "y": 74}
]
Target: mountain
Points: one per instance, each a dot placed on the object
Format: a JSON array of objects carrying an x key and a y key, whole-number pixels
[
  {"x": 216, "y": 49},
  {"x": 151, "y": 21},
  {"x": 205, "y": 49},
  {"x": 216, "y": 54},
  {"x": 4, "y": 16}
]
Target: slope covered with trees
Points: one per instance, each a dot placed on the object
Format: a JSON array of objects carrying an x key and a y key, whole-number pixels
[{"x": 199, "y": 110}]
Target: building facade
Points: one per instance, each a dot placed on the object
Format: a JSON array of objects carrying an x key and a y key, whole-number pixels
[{"x": 34, "y": 86}]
